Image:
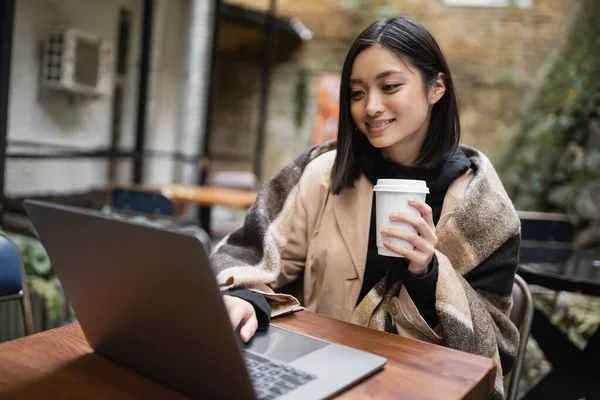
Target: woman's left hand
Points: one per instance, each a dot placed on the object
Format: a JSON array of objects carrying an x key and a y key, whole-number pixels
[{"x": 425, "y": 241}]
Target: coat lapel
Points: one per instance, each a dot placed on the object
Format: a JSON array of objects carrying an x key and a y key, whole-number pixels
[
  {"x": 352, "y": 209},
  {"x": 454, "y": 194}
]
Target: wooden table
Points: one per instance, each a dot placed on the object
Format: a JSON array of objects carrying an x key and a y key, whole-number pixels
[
  {"x": 59, "y": 364},
  {"x": 182, "y": 196},
  {"x": 200, "y": 195},
  {"x": 211, "y": 196}
]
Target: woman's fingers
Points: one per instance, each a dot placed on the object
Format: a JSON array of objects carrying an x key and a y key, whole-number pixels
[
  {"x": 241, "y": 314},
  {"x": 424, "y": 241},
  {"x": 419, "y": 223},
  {"x": 425, "y": 211},
  {"x": 419, "y": 260},
  {"x": 419, "y": 242},
  {"x": 249, "y": 327}
]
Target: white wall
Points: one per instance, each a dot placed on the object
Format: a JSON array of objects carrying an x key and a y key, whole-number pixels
[
  {"x": 50, "y": 118},
  {"x": 163, "y": 123}
]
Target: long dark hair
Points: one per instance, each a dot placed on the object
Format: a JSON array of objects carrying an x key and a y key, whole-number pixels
[{"x": 411, "y": 42}]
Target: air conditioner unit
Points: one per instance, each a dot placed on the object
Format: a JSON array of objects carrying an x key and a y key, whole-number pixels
[{"x": 78, "y": 63}]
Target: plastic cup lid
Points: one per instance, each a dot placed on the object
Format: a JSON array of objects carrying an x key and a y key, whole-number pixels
[{"x": 401, "y": 185}]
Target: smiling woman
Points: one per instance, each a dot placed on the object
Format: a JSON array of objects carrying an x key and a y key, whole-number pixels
[
  {"x": 397, "y": 94},
  {"x": 315, "y": 222},
  {"x": 395, "y": 73}
]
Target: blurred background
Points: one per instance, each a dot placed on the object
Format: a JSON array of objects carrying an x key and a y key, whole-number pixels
[{"x": 177, "y": 111}]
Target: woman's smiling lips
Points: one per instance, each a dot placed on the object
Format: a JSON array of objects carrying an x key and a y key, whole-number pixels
[{"x": 379, "y": 125}]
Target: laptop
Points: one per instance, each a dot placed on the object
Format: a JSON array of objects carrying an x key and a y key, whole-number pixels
[{"x": 147, "y": 298}]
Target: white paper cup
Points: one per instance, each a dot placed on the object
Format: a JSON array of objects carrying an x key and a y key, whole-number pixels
[{"x": 392, "y": 196}]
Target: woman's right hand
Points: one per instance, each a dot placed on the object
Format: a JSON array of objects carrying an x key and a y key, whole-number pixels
[{"x": 242, "y": 314}]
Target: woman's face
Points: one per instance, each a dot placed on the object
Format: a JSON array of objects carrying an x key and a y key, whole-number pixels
[{"x": 389, "y": 103}]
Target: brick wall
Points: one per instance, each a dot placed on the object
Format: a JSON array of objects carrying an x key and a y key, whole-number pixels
[{"x": 496, "y": 55}]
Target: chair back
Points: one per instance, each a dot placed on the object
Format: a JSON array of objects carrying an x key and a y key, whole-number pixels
[
  {"x": 11, "y": 274},
  {"x": 545, "y": 238},
  {"x": 521, "y": 315},
  {"x": 150, "y": 204},
  {"x": 142, "y": 202}
]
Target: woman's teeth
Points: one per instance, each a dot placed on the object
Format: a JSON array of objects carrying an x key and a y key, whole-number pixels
[{"x": 377, "y": 125}]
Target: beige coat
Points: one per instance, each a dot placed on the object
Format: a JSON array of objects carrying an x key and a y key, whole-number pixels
[
  {"x": 296, "y": 226},
  {"x": 329, "y": 240}
]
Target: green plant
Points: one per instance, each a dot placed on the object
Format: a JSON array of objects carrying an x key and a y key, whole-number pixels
[
  {"x": 564, "y": 99},
  {"x": 39, "y": 275},
  {"x": 576, "y": 315}
]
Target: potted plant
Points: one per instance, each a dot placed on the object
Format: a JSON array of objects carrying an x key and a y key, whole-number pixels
[{"x": 44, "y": 286}]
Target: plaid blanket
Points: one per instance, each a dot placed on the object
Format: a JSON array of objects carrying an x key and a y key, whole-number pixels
[{"x": 477, "y": 254}]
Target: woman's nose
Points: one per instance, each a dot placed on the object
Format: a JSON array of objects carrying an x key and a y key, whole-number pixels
[{"x": 374, "y": 106}]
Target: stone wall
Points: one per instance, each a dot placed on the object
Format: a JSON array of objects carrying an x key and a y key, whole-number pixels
[
  {"x": 553, "y": 163},
  {"x": 496, "y": 54}
]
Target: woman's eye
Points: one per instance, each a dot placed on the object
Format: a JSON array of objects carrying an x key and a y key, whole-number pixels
[
  {"x": 356, "y": 94},
  {"x": 389, "y": 88}
]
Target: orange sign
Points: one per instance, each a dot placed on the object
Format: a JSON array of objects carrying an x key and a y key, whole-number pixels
[{"x": 328, "y": 108}]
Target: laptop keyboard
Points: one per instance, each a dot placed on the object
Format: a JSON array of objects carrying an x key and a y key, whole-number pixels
[{"x": 271, "y": 379}]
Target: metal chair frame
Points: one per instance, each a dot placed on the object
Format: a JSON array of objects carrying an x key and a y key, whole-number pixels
[
  {"x": 524, "y": 333},
  {"x": 22, "y": 296}
]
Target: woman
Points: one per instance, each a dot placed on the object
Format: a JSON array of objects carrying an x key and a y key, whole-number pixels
[{"x": 314, "y": 222}]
